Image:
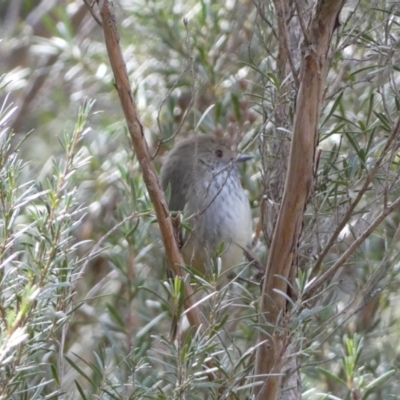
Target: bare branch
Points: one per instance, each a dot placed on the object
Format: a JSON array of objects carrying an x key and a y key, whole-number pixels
[
  {"x": 368, "y": 180},
  {"x": 283, "y": 30},
  {"x": 142, "y": 152},
  {"x": 298, "y": 185},
  {"x": 41, "y": 74},
  {"x": 94, "y": 15},
  {"x": 354, "y": 246},
  {"x": 301, "y": 20}
]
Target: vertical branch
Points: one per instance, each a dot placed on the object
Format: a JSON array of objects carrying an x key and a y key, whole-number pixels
[
  {"x": 278, "y": 145},
  {"x": 142, "y": 152},
  {"x": 298, "y": 185}
]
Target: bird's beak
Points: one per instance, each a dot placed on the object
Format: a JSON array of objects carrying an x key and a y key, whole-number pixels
[{"x": 243, "y": 158}]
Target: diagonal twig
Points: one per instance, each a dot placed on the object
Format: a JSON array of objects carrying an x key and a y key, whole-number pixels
[{"x": 150, "y": 176}]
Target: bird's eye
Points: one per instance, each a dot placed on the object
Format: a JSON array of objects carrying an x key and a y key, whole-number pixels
[{"x": 218, "y": 153}]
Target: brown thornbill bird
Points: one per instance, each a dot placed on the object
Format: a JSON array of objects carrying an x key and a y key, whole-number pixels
[{"x": 202, "y": 177}]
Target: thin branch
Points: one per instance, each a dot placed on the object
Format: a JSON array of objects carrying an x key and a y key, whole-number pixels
[
  {"x": 192, "y": 98},
  {"x": 301, "y": 21},
  {"x": 281, "y": 14},
  {"x": 150, "y": 176},
  {"x": 349, "y": 213},
  {"x": 369, "y": 291},
  {"x": 261, "y": 13},
  {"x": 31, "y": 90},
  {"x": 100, "y": 242},
  {"x": 354, "y": 246},
  {"x": 94, "y": 15},
  {"x": 282, "y": 257},
  {"x": 42, "y": 72}
]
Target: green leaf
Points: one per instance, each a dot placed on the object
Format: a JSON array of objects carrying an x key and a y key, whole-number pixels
[
  {"x": 331, "y": 376},
  {"x": 386, "y": 124},
  {"x": 80, "y": 390},
  {"x": 236, "y": 106},
  {"x": 55, "y": 374},
  {"x": 363, "y": 69},
  {"x": 116, "y": 316},
  {"x": 370, "y": 107},
  {"x": 378, "y": 382},
  {"x": 81, "y": 372},
  {"x": 333, "y": 108},
  {"x": 205, "y": 113}
]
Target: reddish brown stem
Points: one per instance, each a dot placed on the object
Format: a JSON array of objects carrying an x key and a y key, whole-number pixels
[
  {"x": 299, "y": 180},
  {"x": 142, "y": 152}
]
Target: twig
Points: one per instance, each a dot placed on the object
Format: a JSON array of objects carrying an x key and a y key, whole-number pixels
[
  {"x": 98, "y": 245},
  {"x": 282, "y": 26},
  {"x": 34, "y": 20},
  {"x": 150, "y": 177},
  {"x": 90, "y": 8},
  {"x": 298, "y": 185},
  {"x": 368, "y": 180},
  {"x": 261, "y": 13},
  {"x": 192, "y": 98},
  {"x": 301, "y": 21},
  {"x": 354, "y": 246}
]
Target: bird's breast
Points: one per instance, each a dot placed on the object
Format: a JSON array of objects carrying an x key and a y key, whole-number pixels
[{"x": 221, "y": 210}]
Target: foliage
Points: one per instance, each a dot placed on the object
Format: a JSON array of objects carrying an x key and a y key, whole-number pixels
[{"x": 86, "y": 303}]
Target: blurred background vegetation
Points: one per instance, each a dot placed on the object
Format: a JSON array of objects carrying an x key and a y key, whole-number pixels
[{"x": 85, "y": 302}]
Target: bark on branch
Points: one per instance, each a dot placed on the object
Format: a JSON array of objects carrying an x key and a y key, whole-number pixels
[
  {"x": 298, "y": 185},
  {"x": 142, "y": 152}
]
